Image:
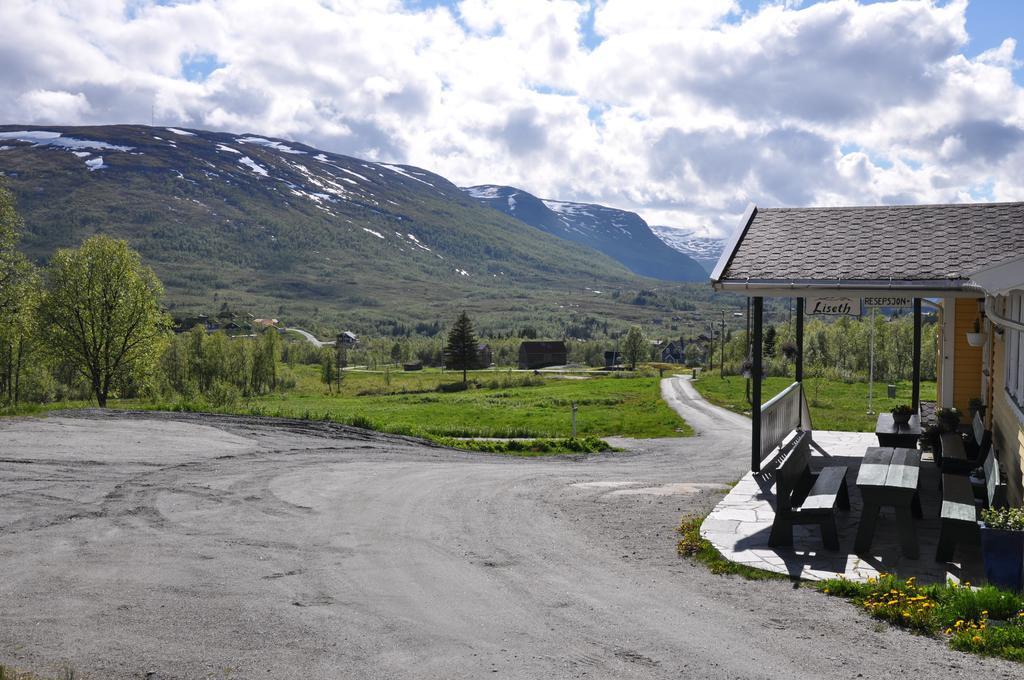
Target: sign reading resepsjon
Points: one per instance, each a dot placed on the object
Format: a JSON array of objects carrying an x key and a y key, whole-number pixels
[
  {"x": 833, "y": 306},
  {"x": 888, "y": 301}
]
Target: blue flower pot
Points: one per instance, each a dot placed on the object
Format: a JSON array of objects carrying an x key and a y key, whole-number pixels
[{"x": 1003, "y": 552}]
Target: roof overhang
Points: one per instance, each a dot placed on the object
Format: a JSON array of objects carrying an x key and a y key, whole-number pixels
[
  {"x": 854, "y": 288},
  {"x": 1001, "y": 278}
]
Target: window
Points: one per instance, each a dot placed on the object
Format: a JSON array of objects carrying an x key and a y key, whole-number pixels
[{"x": 1015, "y": 349}]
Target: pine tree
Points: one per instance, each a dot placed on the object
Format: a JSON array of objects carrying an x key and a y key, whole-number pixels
[{"x": 460, "y": 352}]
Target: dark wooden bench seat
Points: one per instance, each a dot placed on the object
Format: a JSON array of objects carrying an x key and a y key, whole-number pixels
[
  {"x": 960, "y": 456},
  {"x": 959, "y": 513},
  {"x": 803, "y": 497}
]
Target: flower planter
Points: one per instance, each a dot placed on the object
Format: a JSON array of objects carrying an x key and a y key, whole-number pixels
[
  {"x": 901, "y": 419},
  {"x": 975, "y": 339},
  {"x": 1003, "y": 552}
]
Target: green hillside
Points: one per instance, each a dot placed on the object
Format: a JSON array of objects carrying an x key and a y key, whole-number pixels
[{"x": 282, "y": 229}]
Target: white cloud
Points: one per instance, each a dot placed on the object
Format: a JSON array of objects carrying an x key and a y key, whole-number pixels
[{"x": 682, "y": 111}]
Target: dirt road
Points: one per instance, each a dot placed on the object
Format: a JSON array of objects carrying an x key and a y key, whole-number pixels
[{"x": 181, "y": 546}]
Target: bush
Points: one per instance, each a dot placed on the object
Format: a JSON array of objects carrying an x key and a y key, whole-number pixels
[{"x": 222, "y": 394}]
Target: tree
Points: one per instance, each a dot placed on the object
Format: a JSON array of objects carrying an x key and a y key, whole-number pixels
[
  {"x": 634, "y": 347},
  {"x": 460, "y": 352},
  {"x": 14, "y": 268},
  {"x": 101, "y": 313},
  {"x": 327, "y": 369}
]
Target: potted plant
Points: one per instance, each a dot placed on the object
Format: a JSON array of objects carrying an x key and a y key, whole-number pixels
[
  {"x": 948, "y": 419},
  {"x": 975, "y": 338},
  {"x": 901, "y": 414},
  {"x": 1002, "y": 546},
  {"x": 930, "y": 439},
  {"x": 747, "y": 370},
  {"x": 977, "y": 406}
]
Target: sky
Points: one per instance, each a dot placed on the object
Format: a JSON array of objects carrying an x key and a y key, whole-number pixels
[{"x": 684, "y": 111}]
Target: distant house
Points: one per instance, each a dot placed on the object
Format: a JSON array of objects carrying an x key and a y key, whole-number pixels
[
  {"x": 347, "y": 339},
  {"x": 541, "y": 353},
  {"x": 264, "y": 323},
  {"x": 673, "y": 353},
  {"x": 413, "y": 366},
  {"x": 484, "y": 356}
]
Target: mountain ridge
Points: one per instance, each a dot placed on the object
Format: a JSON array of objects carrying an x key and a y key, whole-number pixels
[
  {"x": 289, "y": 229},
  {"x": 619, "y": 234}
]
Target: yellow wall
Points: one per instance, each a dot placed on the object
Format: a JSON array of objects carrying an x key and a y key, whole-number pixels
[
  {"x": 966, "y": 359},
  {"x": 1007, "y": 427}
]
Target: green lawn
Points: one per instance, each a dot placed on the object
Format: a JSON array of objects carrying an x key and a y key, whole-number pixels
[
  {"x": 834, "y": 405},
  {"x": 505, "y": 404}
]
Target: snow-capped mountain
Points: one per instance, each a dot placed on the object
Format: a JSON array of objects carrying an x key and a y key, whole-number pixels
[
  {"x": 703, "y": 249},
  {"x": 270, "y": 223},
  {"x": 619, "y": 234}
]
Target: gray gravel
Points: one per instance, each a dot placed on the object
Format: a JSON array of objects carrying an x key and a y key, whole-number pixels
[{"x": 190, "y": 546}]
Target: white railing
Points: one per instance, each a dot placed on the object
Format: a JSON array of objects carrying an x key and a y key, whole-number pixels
[{"x": 780, "y": 415}]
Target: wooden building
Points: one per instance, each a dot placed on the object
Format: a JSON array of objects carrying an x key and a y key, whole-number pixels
[
  {"x": 967, "y": 260},
  {"x": 540, "y": 353}
]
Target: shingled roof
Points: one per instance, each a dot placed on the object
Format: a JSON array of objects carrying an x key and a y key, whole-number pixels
[{"x": 925, "y": 247}]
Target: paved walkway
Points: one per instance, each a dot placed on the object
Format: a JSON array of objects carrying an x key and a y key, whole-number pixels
[{"x": 740, "y": 525}]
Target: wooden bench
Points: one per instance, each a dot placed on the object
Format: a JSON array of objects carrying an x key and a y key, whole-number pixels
[
  {"x": 805, "y": 498},
  {"x": 959, "y": 513},
  {"x": 960, "y": 457}
]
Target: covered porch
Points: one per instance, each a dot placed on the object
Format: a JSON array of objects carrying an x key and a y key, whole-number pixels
[
  {"x": 834, "y": 260},
  {"x": 740, "y": 526}
]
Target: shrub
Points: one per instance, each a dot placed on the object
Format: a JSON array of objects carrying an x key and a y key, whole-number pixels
[
  {"x": 1010, "y": 519},
  {"x": 222, "y": 394}
]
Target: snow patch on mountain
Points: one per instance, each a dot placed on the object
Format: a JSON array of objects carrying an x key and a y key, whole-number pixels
[
  {"x": 95, "y": 163},
  {"x": 483, "y": 192},
  {"x": 278, "y": 146},
  {"x": 183, "y": 133},
  {"x": 47, "y": 138},
  {"x": 404, "y": 173},
  {"x": 221, "y": 147},
  {"x": 253, "y": 165},
  {"x": 705, "y": 249}
]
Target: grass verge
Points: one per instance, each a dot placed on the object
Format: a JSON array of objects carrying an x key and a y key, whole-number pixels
[
  {"x": 691, "y": 544},
  {"x": 528, "y": 447},
  {"x": 986, "y": 620},
  {"x": 835, "y": 405}
]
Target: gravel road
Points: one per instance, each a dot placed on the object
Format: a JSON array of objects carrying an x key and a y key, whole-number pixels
[{"x": 186, "y": 546}]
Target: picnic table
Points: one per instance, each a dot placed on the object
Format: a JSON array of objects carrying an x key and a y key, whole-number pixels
[
  {"x": 888, "y": 476},
  {"x": 891, "y": 434}
]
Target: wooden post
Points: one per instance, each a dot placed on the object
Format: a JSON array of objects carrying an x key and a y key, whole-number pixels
[
  {"x": 755, "y": 397},
  {"x": 800, "y": 340},
  {"x": 916, "y": 385}
]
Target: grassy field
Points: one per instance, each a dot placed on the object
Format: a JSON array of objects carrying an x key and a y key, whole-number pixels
[
  {"x": 497, "y": 404},
  {"x": 834, "y": 405}
]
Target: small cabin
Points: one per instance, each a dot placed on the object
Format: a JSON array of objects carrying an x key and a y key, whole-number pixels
[{"x": 535, "y": 354}]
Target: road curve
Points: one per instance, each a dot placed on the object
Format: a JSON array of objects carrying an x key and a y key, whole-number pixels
[
  {"x": 192, "y": 546},
  {"x": 312, "y": 338}
]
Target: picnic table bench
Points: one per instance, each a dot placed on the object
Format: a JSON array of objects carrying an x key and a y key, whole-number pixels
[
  {"x": 889, "y": 476},
  {"x": 961, "y": 457},
  {"x": 803, "y": 497},
  {"x": 959, "y": 514}
]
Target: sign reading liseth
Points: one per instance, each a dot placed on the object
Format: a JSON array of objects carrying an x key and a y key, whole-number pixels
[{"x": 833, "y": 306}]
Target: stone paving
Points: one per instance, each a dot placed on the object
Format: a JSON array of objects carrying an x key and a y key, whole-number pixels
[{"x": 739, "y": 526}]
